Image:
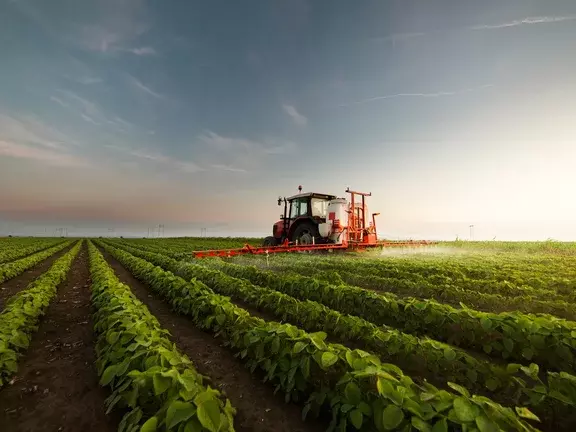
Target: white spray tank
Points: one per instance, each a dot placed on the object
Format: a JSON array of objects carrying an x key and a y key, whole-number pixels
[{"x": 336, "y": 220}]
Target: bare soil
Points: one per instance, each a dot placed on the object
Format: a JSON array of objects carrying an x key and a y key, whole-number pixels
[
  {"x": 258, "y": 409},
  {"x": 20, "y": 282},
  {"x": 56, "y": 388}
]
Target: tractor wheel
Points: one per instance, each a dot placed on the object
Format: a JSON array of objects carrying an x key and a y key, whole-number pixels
[
  {"x": 270, "y": 241},
  {"x": 304, "y": 233}
]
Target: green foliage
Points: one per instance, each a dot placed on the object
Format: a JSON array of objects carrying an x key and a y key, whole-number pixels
[
  {"x": 155, "y": 384},
  {"x": 353, "y": 385},
  {"x": 14, "y": 268},
  {"x": 17, "y": 248},
  {"x": 547, "y": 341},
  {"x": 19, "y": 319},
  {"x": 435, "y": 361}
]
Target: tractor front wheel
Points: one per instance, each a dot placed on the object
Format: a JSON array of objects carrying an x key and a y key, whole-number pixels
[{"x": 270, "y": 241}]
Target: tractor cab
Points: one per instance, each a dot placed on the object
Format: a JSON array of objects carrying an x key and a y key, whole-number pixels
[{"x": 299, "y": 222}]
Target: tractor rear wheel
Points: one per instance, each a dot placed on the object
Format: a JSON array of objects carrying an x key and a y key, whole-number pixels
[
  {"x": 305, "y": 233},
  {"x": 270, "y": 241}
]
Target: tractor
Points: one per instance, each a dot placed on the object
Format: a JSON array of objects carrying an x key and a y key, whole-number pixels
[{"x": 303, "y": 214}]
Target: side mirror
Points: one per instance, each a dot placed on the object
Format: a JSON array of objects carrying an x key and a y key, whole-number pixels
[{"x": 279, "y": 201}]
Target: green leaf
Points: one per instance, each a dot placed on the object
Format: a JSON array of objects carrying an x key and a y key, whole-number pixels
[
  {"x": 459, "y": 389},
  {"x": 440, "y": 426},
  {"x": 486, "y": 324},
  {"x": 161, "y": 384},
  {"x": 179, "y": 412},
  {"x": 299, "y": 346},
  {"x": 384, "y": 386},
  {"x": 150, "y": 425},
  {"x": 485, "y": 424},
  {"x": 328, "y": 359},
  {"x": 356, "y": 418},
  {"x": 508, "y": 344},
  {"x": 449, "y": 354},
  {"x": 526, "y": 413},
  {"x": 392, "y": 416},
  {"x": 420, "y": 424},
  {"x": 464, "y": 409},
  {"x": 528, "y": 353},
  {"x": 209, "y": 415},
  {"x": 108, "y": 375},
  {"x": 352, "y": 393}
]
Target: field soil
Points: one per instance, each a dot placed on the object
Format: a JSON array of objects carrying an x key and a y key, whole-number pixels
[
  {"x": 258, "y": 409},
  {"x": 20, "y": 282},
  {"x": 56, "y": 388}
]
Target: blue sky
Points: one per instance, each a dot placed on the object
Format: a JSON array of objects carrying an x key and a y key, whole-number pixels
[{"x": 130, "y": 113}]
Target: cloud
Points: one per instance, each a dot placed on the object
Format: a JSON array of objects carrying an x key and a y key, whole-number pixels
[
  {"x": 240, "y": 153},
  {"x": 298, "y": 118},
  {"x": 139, "y": 85},
  {"x": 29, "y": 130},
  {"x": 228, "y": 168},
  {"x": 90, "y": 111},
  {"x": 89, "y": 119},
  {"x": 59, "y": 101},
  {"x": 418, "y": 95},
  {"x": 22, "y": 151},
  {"x": 158, "y": 158},
  {"x": 525, "y": 21},
  {"x": 143, "y": 51}
]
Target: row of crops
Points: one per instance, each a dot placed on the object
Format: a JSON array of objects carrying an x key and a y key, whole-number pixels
[
  {"x": 399, "y": 331},
  {"x": 356, "y": 353}
]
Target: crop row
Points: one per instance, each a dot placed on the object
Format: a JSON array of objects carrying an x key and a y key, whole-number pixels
[
  {"x": 445, "y": 293},
  {"x": 472, "y": 272},
  {"x": 388, "y": 272},
  {"x": 12, "y": 253},
  {"x": 547, "y": 341},
  {"x": 433, "y": 360},
  {"x": 19, "y": 319},
  {"x": 156, "y": 386},
  {"x": 353, "y": 385},
  {"x": 14, "y": 268}
]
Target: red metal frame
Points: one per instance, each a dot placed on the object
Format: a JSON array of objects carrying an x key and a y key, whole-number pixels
[{"x": 259, "y": 250}]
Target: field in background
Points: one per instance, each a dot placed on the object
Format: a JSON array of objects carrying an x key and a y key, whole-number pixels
[{"x": 383, "y": 340}]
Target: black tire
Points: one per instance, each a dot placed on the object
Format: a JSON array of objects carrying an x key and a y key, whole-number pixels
[
  {"x": 304, "y": 233},
  {"x": 270, "y": 241}
]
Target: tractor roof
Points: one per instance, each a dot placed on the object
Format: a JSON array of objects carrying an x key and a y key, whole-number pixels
[{"x": 313, "y": 195}]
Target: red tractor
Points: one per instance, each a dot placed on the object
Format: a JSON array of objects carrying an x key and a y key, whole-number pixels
[{"x": 303, "y": 213}]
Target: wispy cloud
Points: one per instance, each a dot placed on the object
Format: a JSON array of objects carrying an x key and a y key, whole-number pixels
[
  {"x": 525, "y": 21},
  {"x": 23, "y": 151},
  {"x": 240, "y": 153},
  {"x": 141, "y": 86},
  {"x": 298, "y": 118},
  {"x": 89, "y": 119},
  {"x": 228, "y": 168},
  {"x": 158, "y": 158},
  {"x": 59, "y": 101},
  {"x": 142, "y": 51},
  {"x": 419, "y": 95},
  {"x": 90, "y": 111},
  {"x": 29, "y": 130}
]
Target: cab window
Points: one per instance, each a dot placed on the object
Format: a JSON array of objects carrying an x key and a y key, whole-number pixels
[
  {"x": 298, "y": 208},
  {"x": 319, "y": 207}
]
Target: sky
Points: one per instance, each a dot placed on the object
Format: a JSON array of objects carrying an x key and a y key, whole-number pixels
[{"x": 119, "y": 115}]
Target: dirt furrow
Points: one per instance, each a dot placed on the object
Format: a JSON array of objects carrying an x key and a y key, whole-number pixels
[
  {"x": 258, "y": 408},
  {"x": 56, "y": 388},
  {"x": 20, "y": 282}
]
